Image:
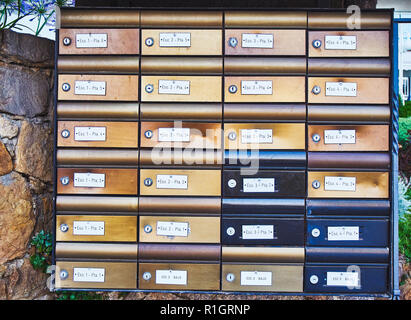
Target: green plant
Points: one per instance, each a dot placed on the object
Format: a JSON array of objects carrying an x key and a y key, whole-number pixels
[
  {"x": 404, "y": 228},
  {"x": 404, "y": 132},
  {"x": 43, "y": 243},
  {"x": 405, "y": 109},
  {"x": 79, "y": 295}
]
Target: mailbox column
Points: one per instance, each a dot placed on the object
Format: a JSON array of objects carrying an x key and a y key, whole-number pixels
[
  {"x": 348, "y": 207},
  {"x": 97, "y": 149}
]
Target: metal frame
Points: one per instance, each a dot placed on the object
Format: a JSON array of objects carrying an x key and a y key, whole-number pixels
[{"x": 393, "y": 292}]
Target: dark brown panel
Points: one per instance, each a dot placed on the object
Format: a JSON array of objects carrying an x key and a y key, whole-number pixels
[{"x": 366, "y": 160}]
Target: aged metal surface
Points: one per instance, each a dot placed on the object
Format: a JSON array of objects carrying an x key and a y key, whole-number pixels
[
  {"x": 96, "y": 157},
  {"x": 181, "y": 111},
  {"x": 342, "y": 20},
  {"x": 86, "y": 204},
  {"x": 342, "y": 113},
  {"x": 266, "y": 19},
  {"x": 97, "y": 110},
  {"x": 106, "y": 251},
  {"x": 184, "y": 206},
  {"x": 100, "y": 18},
  {"x": 180, "y": 18},
  {"x": 98, "y": 64}
]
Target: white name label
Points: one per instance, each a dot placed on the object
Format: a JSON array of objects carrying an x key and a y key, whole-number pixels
[
  {"x": 174, "y": 134},
  {"x": 165, "y": 181},
  {"x": 339, "y": 136},
  {"x": 171, "y": 277},
  {"x": 173, "y": 229},
  {"x": 89, "y": 180},
  {"x": 173, "y": 86},
  {"x": 257, "y": 40},
  {"x": 257, "y": 87},
  {"x": 256, "y": 278},
  {"x": 91, "y": 40},
  {"x": 339, "y": 183},
  {"x": 88, "y": 228},
  {"x": 341, "y": 89},
  {"x": 176, "y": 39},
  {"x": 343, "y": 233},
  {"x": 256, "y": 135},
  {"x": 91, "y": 88},
  {"x": 340, "y": 42},
  {"x": 258, "y": 184},
  {"x": 258, "y": 232},
  {"x": 88, "y": 274},
  {"x": 90, "y": 133},
  {"x": 349, "y": 279}
]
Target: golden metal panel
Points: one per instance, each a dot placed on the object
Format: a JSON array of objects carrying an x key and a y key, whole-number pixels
[
  {"x": 199, "y": 276},
  {"x": 185, "y": 206},
  {"x": 97, "y": 110},
  {"x": 266, "y": 19},
  {"x": 369, "y": 90},
  {"x": 93, "y": 157},
  {"x": 284, "y": 135},
  {"x": 281, "y": 42},
  {"x": 88, "y": 251},
  {"x": 379, "y": 67},
  {"x": 182, "y": 111},
  {"x": 342, "y": 20},
  {"x": 181, "y": 65},
  {"x": 198, "y": 158},
  {"x": 199, "y": 182},
  {"x": 98, "y": 64},
  {"x": 369, "y": 44},
  {"x": 265, "y": 65},
  {"x": 342, "y": 113},
  {"x": 116, "y": 228},
  {"x": 263, "y": 254},
  {"x": 202, "y": 89},
  {"x": 119, "y": 41},
  {"x": 118, "y": 134},
  {"x": 201, "y": 229},
  {"x": 264, "y": 112},
  {"x": 367, "y": 138},
  {"x": 96, "y": 204},
  {"x": 117, "y": 181},
  {"x": 180, "y": 18},
  {"x": 367, "y": 185},
  {"x": 117, "y": 88},
  {"x": 201, "y": 135},
  {"x": 117, "y": 275},
  {"x": 100, "y": 18},
  {"x": 285, "y": 278},
  {"x": 284, "y": 89},
  {"x": 203, "y": 42}
]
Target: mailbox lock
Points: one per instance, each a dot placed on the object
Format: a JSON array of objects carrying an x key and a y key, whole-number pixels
[
  {"x": 230, "y": 231},
  {"x": 232, "y": 136},
  {"x": 64, "y": 227},
  {"x": 66, "y": 41},
  {"x": 316, "y": 137},
  {"x": 233, "y": 42},
  {"x": 65, "y": 133},
  {"x": 317, "y": 44},
  {"x": 314, "y": 279},
  {"x": 147, "y": 276},
  {"x": 232, "y": 88},
  {"x": 64, "y": 274},
  {"x": 66, "y": 87},
  {"x": 149, "y": 42},
  {"x": 148, "y": 182},
  {"x": 316, "y": 90},
  {"x": 148, "y": 134},
  {"x": 148, "y": 228},
  {"x": 316, "y": 184},
  {"x": 232, "y": 183},
  {"x": 65, "y": 180},
  {"x": 315, "y": 232},
  {"x": 230, "y": 277},
  {"x": 149, "y": 88}
]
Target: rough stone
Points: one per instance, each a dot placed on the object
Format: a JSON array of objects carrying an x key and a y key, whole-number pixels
[
  {"x": 27, "y": 48},
  {"x": 8, "y": 128},
  {"x": 16, "y": 217},
  {"x": 23, "y": 91},
  {"x": 34, "y": 151},
  {"x": 6, "y": 164}
]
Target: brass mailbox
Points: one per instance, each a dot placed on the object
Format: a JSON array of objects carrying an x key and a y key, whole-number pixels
[
  {"x": 264, "y": 136},
  {"x": 181, "y": 42},
  {"x": 174, "y": 182},
  {"x": 264, "y": 42},
  {"x": 349, "y": 43},
  {"x": 181, "y": 134},
  {"x": 97, "y": 181},
  {"x": 102, "y": 134},
  {"x": 348, "y": 138},
  {"x": 351, "y": 113},
  {"x": 194, "y": 229},
  {"x": 99, "y": 41},
  {"x": 181, "y": 88},
  {"x": 96, "y": 228},
  {"x": 348, "y": 90},
  {"x": 98, "y": 87},
  {"x": 348, "y": 184},
  {"x": 264, "y": 89}
]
